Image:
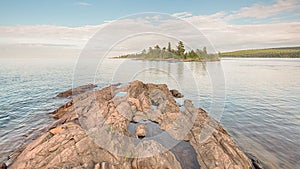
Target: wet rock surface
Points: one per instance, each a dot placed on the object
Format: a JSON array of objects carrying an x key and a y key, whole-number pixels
[
  {"x": 256, "y": 163},
  {"x": 135, "y": 126}
]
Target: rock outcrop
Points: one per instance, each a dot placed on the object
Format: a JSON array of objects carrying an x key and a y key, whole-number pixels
[
  {"x": 76, "y": 91},
  {"x": 135, "y": 126}
]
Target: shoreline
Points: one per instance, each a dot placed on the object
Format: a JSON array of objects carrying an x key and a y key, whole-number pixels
[
  {"x": 169, "y": 59},
  {"x": 258, "y": 58}
]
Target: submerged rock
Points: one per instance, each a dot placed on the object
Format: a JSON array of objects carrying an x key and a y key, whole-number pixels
[
  {"x": 176, "y": 93},
  {"x": 257, "y": 164},
  {"x": 3, "y": 166},
  {"x": 92, "y": 131},
  {"x": 77, "y": 90}
]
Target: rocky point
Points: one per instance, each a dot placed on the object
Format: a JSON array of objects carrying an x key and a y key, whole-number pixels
[{"x": 135, "y": 125}]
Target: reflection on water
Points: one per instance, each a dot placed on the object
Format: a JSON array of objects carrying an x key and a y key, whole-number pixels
[
  {"x": 261, "y": 107},
  {"x": 188, "y": 77}
]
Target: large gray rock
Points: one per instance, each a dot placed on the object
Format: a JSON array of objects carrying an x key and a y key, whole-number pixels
[{"x": 92, "y": 131}]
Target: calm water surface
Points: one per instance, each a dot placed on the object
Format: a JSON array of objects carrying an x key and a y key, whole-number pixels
[{"x": 261, "y": 98}]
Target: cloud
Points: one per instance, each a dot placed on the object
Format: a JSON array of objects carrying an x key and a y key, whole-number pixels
[
  {"x": 275, "y": 32},
  {"x": 217, "y": 28},
  {"x": 47, "y": 34},
  {"x": 261, "y": 11},
  {"x": 297, "y": 14},
  {"x": 83, "y": 4},
  {"x": 226, "y": 37},
  {"x": 108, "y": 21},
  {"x": 182, "y": 14},
  {"x": 19, "y": 40},
  {"x": 44, "y": 40}
]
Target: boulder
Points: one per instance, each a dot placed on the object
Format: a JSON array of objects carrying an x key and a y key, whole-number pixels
[
  {"x": 176, "y": 93},
  {"x": 92, "y": 131}
]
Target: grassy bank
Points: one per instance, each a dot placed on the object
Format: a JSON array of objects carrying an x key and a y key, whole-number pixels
[{"x": 285, "y": 52}]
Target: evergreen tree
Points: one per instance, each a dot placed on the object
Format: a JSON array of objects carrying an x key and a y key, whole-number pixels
[
  {"x": 150, "y": 53},
  {"x": 204, "y": 50},
  {"x": 179, "y": 53},
  {"x": 180, "y": 49},
  {"x": 163, "y": 52},
  {"x": 169, "y": 47},
  {"x": 157, "y": 47}
]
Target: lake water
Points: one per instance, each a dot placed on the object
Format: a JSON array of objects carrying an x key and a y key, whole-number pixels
[{"x": 260, "y": 97}]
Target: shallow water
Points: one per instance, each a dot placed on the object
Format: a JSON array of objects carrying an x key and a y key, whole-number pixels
[
  {"x": 261, "y": 108},
  {"x": 183, "y": 151}
]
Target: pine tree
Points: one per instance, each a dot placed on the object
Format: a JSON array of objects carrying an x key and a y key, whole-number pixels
[
  {"x": 180, "y": 49},
  {"x": 169, "y": 47},
  {"x": 204, "y": 50}
]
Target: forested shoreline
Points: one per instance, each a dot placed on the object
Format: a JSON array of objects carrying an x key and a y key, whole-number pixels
[
  {"x": 284, "y": 52},
  {"x": 168, "y": 53}
]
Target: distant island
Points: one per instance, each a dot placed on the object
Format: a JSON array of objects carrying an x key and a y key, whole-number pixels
[
  {"x": 180, "y": 54},
  {"x": 284, "y": 52}
]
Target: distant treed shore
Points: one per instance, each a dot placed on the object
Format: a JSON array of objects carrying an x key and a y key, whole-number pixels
[
  {"x": 167, "y": 53},
  {"x": 284, "y": 52}
]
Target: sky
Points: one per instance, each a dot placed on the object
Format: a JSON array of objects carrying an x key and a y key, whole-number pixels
[{"x": 57, "y": 27}]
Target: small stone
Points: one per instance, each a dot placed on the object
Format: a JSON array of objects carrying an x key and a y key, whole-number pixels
[{"x": 140, "y": 131}]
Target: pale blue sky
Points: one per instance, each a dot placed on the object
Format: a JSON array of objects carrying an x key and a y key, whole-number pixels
[
  {"x": 79, "y": 13},
  {"x": 33, "y": 27}
]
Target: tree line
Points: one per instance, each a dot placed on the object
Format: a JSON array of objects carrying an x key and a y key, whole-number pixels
[
  {"x": 285, "y": 52},
  {"x": 164, "y": 53}
]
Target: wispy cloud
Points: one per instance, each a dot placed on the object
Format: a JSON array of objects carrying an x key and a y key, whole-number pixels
[
  {"x": 108, "y": 21},
  {"x": 258, "y": 33},
  {"x": 47, "y": 35},
  {"x": 261, "y": 11},
  {"x": 297, "y": 14},
  {"x": 227, "y": 37},
  {"x": 224, "y": 35},
  {"x": 182, "y": 14},
  {"x": 83, "y": 4}
]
